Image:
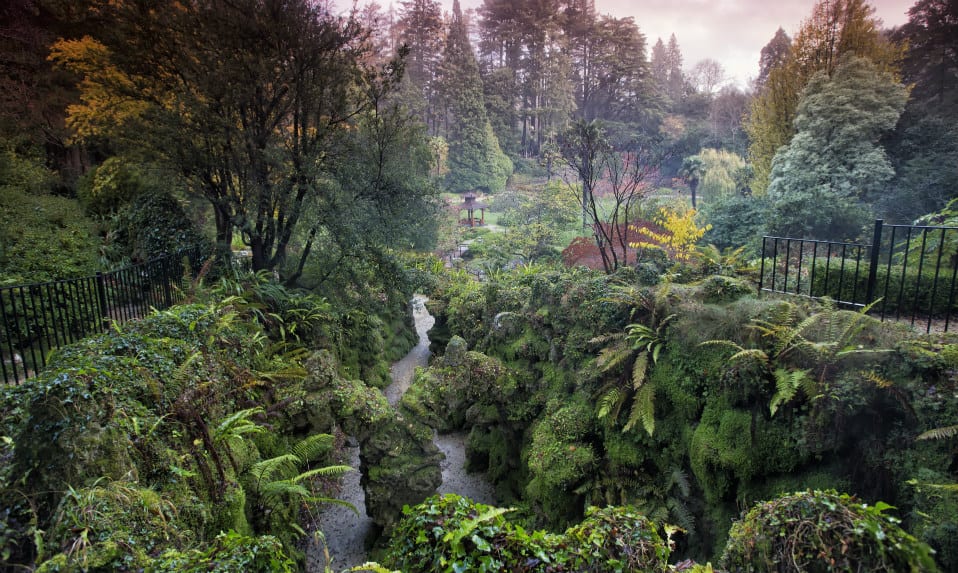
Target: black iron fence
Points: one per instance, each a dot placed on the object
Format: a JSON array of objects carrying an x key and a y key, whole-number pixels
[
  {"x": 907, "y": 272},
  {"x": 37, "y": 318}
]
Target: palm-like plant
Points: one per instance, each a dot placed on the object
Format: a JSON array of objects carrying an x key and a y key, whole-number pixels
[
  {"x": 630, "y": 351},
  {"x": 279, "y": 480},
  {"x": 807, "y": 353}
]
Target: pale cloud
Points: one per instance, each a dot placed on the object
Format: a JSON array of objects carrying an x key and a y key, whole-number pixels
[{"x": 731, "y": 32}]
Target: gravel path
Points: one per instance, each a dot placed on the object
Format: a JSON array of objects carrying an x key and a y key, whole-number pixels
[
  {"x": 403, "y": 371},
  {"x": 345, "y": 531},
  {"x": 454, "y": 476}
]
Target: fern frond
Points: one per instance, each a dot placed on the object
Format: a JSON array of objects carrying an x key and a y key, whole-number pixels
[
  {"x": 612, "y": 356},
  {"x": 313, "y": 447},
  {"x": 275, "y": 468},
  {"x": 680, "y": 513},
  {"x": 877, "y": 379},
  {"x": 183, "y": 373},
  {"x": 639, "y": 370},
  {"x": 951, "y": 487},
  {"x": 605, "y": 338},
  {"x": 787, "y": 383},
  {"x": 680, "y": 479},
  {"x": 726, "y": 343},
  {"x": 749, "y": 353},
  {"x": 280, "y": 489},
  {"x": 238, "y": 424},
  {"x": 470, "y": 525},
  {"x": 609, "y": 402},
  {"x": 939, "y": 433},
  {"x": 334, "y": 501},
  {"x": 328, "y": 471},
  {"x": 643, "y": 409},
  {"x": 288, "y": 374},
  {"x": 789, "y": 339}
]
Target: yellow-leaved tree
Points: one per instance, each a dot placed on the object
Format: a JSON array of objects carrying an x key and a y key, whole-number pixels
[{"x": 679, "y": 234}]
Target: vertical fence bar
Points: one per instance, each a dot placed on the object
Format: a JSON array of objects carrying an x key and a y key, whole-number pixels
[
  {"x": 934, "y": 282},
  {"x": 774, "y": 261},
  {"x": 39, "y": 322},
  {"x": 101, "y": 299},
  {"x": 761, "y": 272},
  {"x": 921, "y": 266},
  {"x": 858, "y": 265},
  {"x": 828, "y": 267},
  {"x": 798, "y": 274},
  {"x": 8, "y": 338},
  {"x": 811, "y": 278},
  {"x": 951, "y": 293},
  {"x": 891, "y": 252},
  {"x": 788, "y": 255},
  {"x": 873, "y": 262},
  {"x": 26, "y": 328},
  {"x": 56, "y": 312},
  {"x": 841, "y": 274},
  {"x": 904, "y": 274}
]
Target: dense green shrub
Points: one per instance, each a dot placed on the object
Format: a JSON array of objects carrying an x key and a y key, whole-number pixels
[
  {"x": 450, "y": 533},
  {"x": 230, "y": 552},
  {"x": 155, "y": 224},
  {"x": 43, "y": 238},
  {"x": 823, "y": 531},
  {"x": 110, "y": 186}
]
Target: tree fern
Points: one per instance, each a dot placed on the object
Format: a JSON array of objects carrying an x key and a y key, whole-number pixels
[{"x": 612, "y": 356}]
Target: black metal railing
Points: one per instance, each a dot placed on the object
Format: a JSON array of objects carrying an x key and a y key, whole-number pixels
[
  {"x": 36, "y": 318},
  {"x": 907, "y": 272}
]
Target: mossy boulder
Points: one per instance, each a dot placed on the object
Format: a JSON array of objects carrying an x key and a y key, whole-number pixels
[
  {"x": 819, "y": 531},
  {"x": 400, "y": 464}
]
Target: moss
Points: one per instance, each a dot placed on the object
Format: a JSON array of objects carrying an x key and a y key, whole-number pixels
[
  {"x": 822, "y": 531},
  {"x": 720, "y": 289},
  {"x": 720, "y": 450}
]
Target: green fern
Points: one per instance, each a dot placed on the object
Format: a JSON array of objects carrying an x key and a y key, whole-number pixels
[
  {"x": 787, "y": 385},
  {"x": 939, "y": 433},
  {"x": 643, "y": 409},
  {"x": 610, "y": 403},
  {"x": 313, "y": 447}
]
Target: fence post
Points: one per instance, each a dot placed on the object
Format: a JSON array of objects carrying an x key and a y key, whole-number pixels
[
  {"x": 761, "y": 273},
  {"x": 101, "y": 300},
  {"x": 873, "y": 265},
  {"x": 167, "y": 265}
]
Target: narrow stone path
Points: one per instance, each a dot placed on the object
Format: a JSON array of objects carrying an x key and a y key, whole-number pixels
[{"x": 345, "y": 531}]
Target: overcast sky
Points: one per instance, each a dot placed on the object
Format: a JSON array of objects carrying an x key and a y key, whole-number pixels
[{"x": 732, "y": 32}]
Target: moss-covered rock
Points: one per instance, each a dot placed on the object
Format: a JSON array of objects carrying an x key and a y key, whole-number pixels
[{"x": 823, "y": 531}]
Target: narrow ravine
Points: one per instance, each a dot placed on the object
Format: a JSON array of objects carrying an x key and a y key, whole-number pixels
[{"x": 346, "y": 531}]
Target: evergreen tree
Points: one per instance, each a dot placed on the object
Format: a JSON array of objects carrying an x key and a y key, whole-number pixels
[
  {"x": 773, "y": 55},
  {"x": 421, "y": 30},
  {"x": 835, "y": 28},
  {"x": 475, "y": 159},
  {"x": 834, "y": 162}
]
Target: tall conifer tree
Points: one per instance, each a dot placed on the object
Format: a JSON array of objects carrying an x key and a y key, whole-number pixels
[{"x": 475, "y": 159}]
